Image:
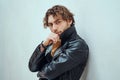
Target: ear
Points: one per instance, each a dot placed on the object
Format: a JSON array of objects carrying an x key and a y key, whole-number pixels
[{"x": 70, "y": 22}]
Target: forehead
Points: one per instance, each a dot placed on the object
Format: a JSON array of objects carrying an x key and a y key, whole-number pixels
[{"x": 52, "y": 18}]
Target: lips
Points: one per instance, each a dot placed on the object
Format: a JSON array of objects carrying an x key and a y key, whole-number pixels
[{"x": 59, "y": 33}]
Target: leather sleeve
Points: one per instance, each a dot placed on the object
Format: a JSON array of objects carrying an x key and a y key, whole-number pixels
[
  {"x": 37, "y": 60},
  {"x": 76, "y": 53}
]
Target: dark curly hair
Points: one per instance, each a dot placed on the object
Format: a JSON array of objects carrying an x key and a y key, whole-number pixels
[{"x": 56, "y": 11}]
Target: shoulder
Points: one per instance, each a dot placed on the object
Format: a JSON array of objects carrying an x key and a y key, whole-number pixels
[{"x": 77, "y": 42}]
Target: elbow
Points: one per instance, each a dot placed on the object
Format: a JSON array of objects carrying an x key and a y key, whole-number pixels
[{"x": 32, "y": 68}]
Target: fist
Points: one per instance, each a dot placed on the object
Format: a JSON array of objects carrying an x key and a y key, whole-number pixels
[{"x": 52, "y": 38}]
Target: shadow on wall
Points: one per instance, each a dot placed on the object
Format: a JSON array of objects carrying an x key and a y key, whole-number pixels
[
  {"x": 84, "y": 75},
  {"x": 89, "y": 68}
]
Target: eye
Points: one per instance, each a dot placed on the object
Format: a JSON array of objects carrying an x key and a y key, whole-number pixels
[
  {"x": 50, "y": 24},
  {"x": 58, "y": 22}
]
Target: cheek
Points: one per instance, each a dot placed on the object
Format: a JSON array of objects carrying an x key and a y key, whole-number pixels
[
  {"x": 63, "y": 27},
  {"x": 51, "y": 29}
]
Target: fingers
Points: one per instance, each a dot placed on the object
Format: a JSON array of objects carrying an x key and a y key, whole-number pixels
[{"x": 53, "y": 38}]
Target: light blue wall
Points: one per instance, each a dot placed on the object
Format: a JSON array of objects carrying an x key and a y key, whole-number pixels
[{"x": 21, "y": 30}]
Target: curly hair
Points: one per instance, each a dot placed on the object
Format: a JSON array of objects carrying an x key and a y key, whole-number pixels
[{"x": 56, "y": 11}]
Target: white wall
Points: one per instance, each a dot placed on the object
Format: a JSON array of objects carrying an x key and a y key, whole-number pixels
[{"x": 21, "y": 30}]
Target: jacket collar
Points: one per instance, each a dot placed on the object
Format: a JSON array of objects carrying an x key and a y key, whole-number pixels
[{"x": 67, "y": 34}]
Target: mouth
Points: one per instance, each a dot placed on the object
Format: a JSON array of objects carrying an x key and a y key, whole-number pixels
[{"x": 59, "y": 33}]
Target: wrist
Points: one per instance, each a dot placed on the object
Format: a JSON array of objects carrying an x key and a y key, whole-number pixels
[{"x": 44, "y": 45}]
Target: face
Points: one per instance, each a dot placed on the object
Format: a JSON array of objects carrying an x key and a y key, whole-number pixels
[{"x": 57, "y": 24}]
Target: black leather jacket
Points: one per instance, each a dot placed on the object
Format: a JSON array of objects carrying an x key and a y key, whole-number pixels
[{"x": 68, "y": 62}]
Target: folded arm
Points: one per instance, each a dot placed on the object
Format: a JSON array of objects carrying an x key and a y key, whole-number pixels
[{"x": 76, "y": 53}]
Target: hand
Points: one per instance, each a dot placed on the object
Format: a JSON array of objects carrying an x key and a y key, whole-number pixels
[{"x": 52, "y": 38}]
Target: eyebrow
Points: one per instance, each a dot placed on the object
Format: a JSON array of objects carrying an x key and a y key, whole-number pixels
[{"x": 56, "y": 20}]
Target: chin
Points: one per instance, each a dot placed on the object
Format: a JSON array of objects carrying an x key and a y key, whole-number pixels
[{"x": 59, "y": 33}]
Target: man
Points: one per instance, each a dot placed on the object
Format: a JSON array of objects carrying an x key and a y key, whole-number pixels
[{"x": 63, "y": 55}]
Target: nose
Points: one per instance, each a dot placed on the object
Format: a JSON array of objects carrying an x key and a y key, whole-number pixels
[{"x": 54, "y": 28}]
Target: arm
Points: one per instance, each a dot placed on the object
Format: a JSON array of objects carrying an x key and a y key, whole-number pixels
[
  {"x": 76, "y": 53},
  {"x": 37, "y": 60}
]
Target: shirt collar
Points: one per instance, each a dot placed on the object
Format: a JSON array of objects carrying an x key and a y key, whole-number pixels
[{"x": 67, "y": 34}]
